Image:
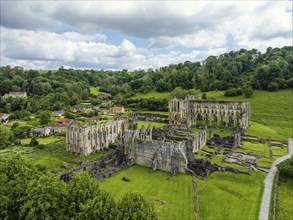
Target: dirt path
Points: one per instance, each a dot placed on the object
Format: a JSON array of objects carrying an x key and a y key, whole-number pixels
[{"x": 266, "y": 198}]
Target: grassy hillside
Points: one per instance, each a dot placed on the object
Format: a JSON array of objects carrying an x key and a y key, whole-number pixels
[
  {"x": 151, "y": 94},
  {"x": 273, "y": 109},
  {"x": 230, "y": 196},
  {"x": 176, "y": 193}
]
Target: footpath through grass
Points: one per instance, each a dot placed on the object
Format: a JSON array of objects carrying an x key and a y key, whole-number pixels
[
  {"x": 230, "y": 196},
  {"x": 176, "y": 193}
]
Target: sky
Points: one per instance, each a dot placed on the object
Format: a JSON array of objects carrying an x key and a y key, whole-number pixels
[{"x": 135, "y": 35}]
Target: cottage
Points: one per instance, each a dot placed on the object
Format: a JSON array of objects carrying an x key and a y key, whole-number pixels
[
  {"x": 117, "y": 110},
  {"x": 41, "y": 132},
  {"x": 87, "y": 111},
  {"x": 106, "y": 102},
  {"x": 103, "y": 95},
  {"x": 16, "y": 94},
  {"x": 58, "y": 113},
  {"x": 3, "y": 117},
  {"x": 77, "y": 108},
  {"x": 60, "y": 126},
  {"x": 105, "y": 111}
]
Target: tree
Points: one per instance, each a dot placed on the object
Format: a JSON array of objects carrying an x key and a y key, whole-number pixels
[
  {"x": 45, "y": 199},
  {"x": 102, "y": 206},
  {"x": 81, "y": 188},
  {"x": 286, "y": 168},
  {"x": 44, "y": 116},
  {"x": 34, "y": 142},
  {"x": 273, "y": 86},
  {"x": 15, "y": 174},
  {"x": 133, "y": 206},
  {"x": 248, "y": 91},
  {"x": 5, "y": 135}
]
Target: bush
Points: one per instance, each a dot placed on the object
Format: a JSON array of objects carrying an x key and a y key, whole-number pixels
[
  {"x": 233, "y": 92},
  {"x": 273, "y": 86}
]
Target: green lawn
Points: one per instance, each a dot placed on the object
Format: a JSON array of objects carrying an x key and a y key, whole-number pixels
[
  {"x": 177, "y": 192},
  {"x": 51, "y": 155},
  {"x": 284, "y": 207},
  {"x": 230, "y": 196},
  {"x": 146, "y": 124},
  {"x": 94, "y": 90},
  {"x": 152, "y": 94}
]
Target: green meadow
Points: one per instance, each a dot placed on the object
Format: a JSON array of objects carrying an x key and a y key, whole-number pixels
[
  {"x": 151, "y": 94},
  {"x": 51, "y": 155},
  {"x": 94, "y": 90},
  {"x": 173, "y": 198}
]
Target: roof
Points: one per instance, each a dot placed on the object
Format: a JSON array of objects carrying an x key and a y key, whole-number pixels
[
  {"x": 57, "y": 125},
  {"x": 64, "y": 120},
  {"x": 117, "y": 107},
  {"x": 16, "y": 94},
  {"x": 40, "y": 129}
]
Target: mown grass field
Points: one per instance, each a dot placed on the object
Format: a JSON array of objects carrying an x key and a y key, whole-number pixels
[
  {"x": 284, "y": 206},
  {"x": 230, "y": 196},
  {"x": 177, "y": 192},
  {"x": 50, "y": 155}
]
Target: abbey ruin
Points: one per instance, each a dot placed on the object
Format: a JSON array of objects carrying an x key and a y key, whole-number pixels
[
  {"x": 229, "y": 113},
  {"x": 167, "y": 148}
]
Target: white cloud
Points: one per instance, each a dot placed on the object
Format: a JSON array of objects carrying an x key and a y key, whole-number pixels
[{"x": 51, "y": 34}]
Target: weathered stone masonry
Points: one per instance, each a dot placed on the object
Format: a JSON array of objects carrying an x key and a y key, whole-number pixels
[
  {"x": 229, "y": 113},
  {"x": 86, "y": 139}
]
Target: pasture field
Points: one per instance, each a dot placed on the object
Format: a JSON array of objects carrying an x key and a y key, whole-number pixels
[
  {"x": 94, "y": 90},
  {"x": 151, "y": 94},
  {"x": 174, "y": 198},
  {"x": 50, "y": 155},
  {"x": 284, "y": 204},
  {"x": 230, "y": 196}
]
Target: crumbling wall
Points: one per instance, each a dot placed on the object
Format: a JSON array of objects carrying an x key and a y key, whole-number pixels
[{"x": 164, "y": 156}]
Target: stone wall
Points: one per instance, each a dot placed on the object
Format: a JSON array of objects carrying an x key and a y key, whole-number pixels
[
  {"x": 191, "y": 112},
  {"x": 85, "y": 139}
]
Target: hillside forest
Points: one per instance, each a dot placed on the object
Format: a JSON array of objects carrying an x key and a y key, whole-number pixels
[{"x": 236, "y": 71}]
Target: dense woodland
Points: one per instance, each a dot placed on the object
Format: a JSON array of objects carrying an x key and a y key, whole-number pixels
[{"x": 234, "y": 71}]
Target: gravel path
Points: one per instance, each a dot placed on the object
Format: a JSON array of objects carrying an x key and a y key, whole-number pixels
[{"x": 266, "y": 198}]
